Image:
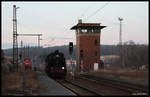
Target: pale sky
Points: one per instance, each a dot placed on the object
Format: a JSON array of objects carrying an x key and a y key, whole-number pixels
[{"x": 54, "y": 20}]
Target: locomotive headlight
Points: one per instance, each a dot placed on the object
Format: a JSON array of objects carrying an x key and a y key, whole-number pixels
[{"x": 63, "y": 67}]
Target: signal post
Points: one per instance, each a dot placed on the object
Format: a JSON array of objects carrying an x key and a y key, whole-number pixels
[{"x": 70, "y": 52}]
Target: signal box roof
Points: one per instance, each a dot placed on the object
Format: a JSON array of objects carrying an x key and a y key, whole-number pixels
[{"x": 88, "y": 26}]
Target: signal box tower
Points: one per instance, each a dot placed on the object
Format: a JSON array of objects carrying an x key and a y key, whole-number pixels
[{"x": 87, "y": 45}]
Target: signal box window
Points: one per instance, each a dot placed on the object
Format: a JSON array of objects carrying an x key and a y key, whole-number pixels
[
  {"x": 95, "y": 42},
  {"x": 84, "y": 30},
  {"x": 96, "y": 53},
  {"x": 81, "y": 53}
]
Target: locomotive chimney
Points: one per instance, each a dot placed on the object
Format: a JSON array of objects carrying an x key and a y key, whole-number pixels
[{"x": 80, "y": 21}]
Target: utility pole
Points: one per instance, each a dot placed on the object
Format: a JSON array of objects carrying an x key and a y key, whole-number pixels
[
  {"x": 21, "y": 49},
  {"x": 23, "y": 66},
  {"x": 15, "y": 42},
  {"x": 28, "y": 50},
  {"x": 24, "y": 73},
  {"x": 120, "y": 41},
  {"x": 21, "y": 55}
]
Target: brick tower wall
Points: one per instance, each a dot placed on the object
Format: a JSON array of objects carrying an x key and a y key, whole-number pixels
[{"x": 86, "y": 42}]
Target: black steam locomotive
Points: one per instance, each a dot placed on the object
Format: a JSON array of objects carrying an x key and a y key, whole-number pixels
[{"x": 55, "y": 64}]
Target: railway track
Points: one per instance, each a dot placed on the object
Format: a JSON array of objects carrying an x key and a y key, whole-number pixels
[
  {"x": 85, "y": 86},
  {"x": 27, "y": 92},
  {"x": 126, "y": 86},
  {"x": 77, "y": 89}
]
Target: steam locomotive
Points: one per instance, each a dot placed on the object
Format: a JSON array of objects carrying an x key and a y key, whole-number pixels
[{"x": 55, "y": 64}]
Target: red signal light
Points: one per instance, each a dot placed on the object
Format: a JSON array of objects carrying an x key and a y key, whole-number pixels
[{"x": 70, "y": 47}]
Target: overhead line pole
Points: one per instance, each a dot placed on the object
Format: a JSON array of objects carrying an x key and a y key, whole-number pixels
[
  {"x": 15, "y": 42},
  {"x": 120, "y": 41},
  {"x": 39, "y": 40}
]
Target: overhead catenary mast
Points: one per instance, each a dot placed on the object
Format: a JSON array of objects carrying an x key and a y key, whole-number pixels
[
  {"x": 120, "y": 35},
  {"x": 32, "y": 35},
  {"x": 15, "y": 42}
]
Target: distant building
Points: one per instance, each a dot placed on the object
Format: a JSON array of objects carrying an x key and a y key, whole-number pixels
[{"x": 87, "y": 44}]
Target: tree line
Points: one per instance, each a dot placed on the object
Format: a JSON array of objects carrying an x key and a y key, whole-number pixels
[{"x": 133, "y": 54}]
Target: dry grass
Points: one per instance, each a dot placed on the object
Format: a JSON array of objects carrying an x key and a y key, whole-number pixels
[
  {"x": 12, "y": 81},
  {"x": 139, "y": 76}
]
